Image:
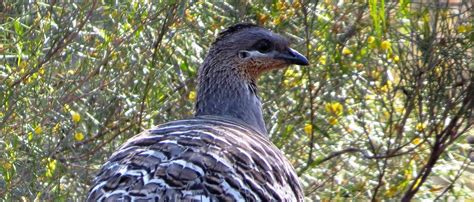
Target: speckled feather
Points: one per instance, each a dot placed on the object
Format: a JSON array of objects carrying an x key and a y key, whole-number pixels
[{"x": 203, "y": 159}]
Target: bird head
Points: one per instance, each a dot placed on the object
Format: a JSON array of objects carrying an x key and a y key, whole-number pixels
[{"x": 254, "y": 50}]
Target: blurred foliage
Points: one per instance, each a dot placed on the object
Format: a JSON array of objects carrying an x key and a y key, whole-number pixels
[{"x": 383, "y": 111}]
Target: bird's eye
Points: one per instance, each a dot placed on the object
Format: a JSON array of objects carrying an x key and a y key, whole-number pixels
[{"x": 263, "y": 46}]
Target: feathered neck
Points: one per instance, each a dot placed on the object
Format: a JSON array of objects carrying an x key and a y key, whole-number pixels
[{"x": 223, "y": 90}]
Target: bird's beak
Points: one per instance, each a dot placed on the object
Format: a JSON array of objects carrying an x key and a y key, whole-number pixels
[{"x": 292, "y": 57}]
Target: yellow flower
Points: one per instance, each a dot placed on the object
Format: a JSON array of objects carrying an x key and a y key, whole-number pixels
[
  {"x": 7, "y": 166},
  {"x": 308, "y": 128},
  {"x": 420, "y": 127},
  {"x": 41, "y": 71},
  {"x": 375, "y": 74},
  {"x": 416, "y": 141},
  {"x": 289, "y": 83},
  {"x": 371, "y": 39},
  {"x": 192, "y": 95},
  {"x": 76, "y": 117},
  {"x": 462, "y": 28},
  {"x": 385, "y": 88},
  {"x": 281, "y": 6},
  {"x": 385, "y": 45},
  {"x": 438, "y": 71},
  {"x": 276, "y": 21},
  {"x": 396, "y": 58},
  {"x": 334, "y": 108},
  {"x": 290, "y": 73},
  {"x": 79, "y": 136},
  {"x": 333, "y": 121},
  {"x": 38, "y": 129},
  {"x": 286, "y": 82},
  {"x": 50, "y": 167},
  {"x": 323, "y": 60},
  {"x": 346, "y": 51},
  {"x": 66, "y": 108},
  {"x": 56, "y": 128}
]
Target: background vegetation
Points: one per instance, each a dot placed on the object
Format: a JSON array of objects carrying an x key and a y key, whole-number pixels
[{"x": 384, "y": 110}]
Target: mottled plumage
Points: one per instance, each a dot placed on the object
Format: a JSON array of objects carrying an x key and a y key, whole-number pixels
[
  {"x": 203, "y": 158},
  {"x": 224, "y": 153}
]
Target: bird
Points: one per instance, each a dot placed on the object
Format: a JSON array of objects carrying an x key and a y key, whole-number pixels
[{"x": 224, "y": 152}]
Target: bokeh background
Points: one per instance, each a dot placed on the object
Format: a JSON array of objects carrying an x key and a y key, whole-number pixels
[{"x": 384, "y": 111}]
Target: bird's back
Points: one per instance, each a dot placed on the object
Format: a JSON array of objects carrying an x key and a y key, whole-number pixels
[{"x": 202, "y": 159}]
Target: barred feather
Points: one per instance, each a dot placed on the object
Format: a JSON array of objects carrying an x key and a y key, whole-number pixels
[{"x": 201, "y": 159}]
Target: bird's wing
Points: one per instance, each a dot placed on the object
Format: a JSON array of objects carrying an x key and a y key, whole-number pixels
[{"x": 197, "y": 159}]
